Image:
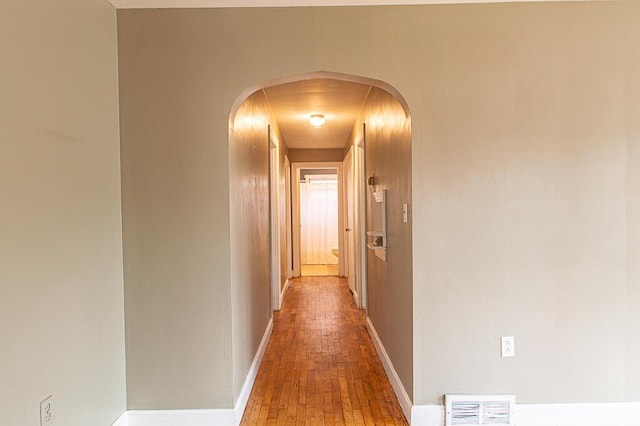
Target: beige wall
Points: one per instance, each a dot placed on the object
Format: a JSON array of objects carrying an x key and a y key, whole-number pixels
[
  {"x": 525, "y": 198},
  {"x": 521, "y": 227},
  {"x": 249, "y": 231},
  {"x": 632, "y": 196},
  {"x": 389, "y": 283},
  {"x": 175, "y": 194},
  {"x": 316, "y": 155},
  {"x": 61, "y": 303}
]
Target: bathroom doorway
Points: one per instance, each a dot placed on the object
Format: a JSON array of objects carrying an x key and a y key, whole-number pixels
[{"x": 318, "y": 219}]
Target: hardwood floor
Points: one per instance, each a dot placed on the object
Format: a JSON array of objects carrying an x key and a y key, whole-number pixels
[
  {"x": 318, "y": 270},
  {"x": 320, "y": 367}
]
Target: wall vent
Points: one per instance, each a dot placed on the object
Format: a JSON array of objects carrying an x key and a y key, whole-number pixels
[{"x": 479, "y": 410}]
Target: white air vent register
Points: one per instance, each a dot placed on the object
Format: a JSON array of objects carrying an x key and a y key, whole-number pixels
[{"x": 479, "y": 410}]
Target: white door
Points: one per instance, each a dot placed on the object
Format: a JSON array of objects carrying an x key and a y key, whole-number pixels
[{"x": 350, "y": 231}]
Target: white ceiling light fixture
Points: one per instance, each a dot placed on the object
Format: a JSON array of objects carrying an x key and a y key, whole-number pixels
[{"x": 316, "y": 120}]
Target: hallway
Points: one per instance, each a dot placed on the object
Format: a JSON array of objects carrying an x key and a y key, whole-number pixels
[
  {"x": 318, "y": 270},
  {"x": 320, "y": 367}
]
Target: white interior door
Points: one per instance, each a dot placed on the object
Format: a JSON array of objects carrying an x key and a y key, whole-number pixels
[{"x": 351, "y": 270}]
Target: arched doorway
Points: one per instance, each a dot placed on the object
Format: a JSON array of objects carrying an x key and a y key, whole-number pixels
[
  {"x": 288, "y": 104},
  {"x": 377, "y": 212}
]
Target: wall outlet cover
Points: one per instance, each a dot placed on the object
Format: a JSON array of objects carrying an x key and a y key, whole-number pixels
[
  {"x": 46, "y": 411},
  {"x": 508, "y": 346}
]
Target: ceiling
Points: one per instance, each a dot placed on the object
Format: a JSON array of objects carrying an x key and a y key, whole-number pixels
[
  {"x": 154, "y": 4},
  {"x": 339, "y": 101}
]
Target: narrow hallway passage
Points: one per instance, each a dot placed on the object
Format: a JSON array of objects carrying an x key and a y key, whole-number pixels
[{"x": 320, "y": 367}]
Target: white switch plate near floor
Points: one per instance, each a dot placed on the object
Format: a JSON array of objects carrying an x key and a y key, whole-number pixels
[{"x": 508, "y": 346}]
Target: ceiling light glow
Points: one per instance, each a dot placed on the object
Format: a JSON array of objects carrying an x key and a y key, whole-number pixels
[{"x": 316, "y": 120}]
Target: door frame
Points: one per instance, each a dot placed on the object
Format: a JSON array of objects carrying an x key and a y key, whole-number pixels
[
  {"x": 360, "y": 222},
  {"x": 295, "y": 176},
  {"x": 274, "y": 220},
  {"x": 359, "y": 271},
  {"x": 350, "y": 223},
  {"x": 288, "y": 215}
]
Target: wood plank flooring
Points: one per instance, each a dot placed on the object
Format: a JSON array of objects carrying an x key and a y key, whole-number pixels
[
  {"x": 318, "y": 270},
  {"x": 320, "y": 367}
]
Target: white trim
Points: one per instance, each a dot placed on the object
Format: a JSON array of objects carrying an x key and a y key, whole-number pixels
[
  {"x": 289, "y": 219},
  {"x": 123, "y": 420},
  {"x": 284, "y": 291},
  {"x": 396, "y": 383},
  {"x": 241, "y": 403},
  {"x": 295, "y": 220},
  {"x": 597, "y": 414},
  {"x": 211, "y": 417},
  {"x": 603, "y": 414},
  {"x": 153, "y": 4},
  {"x": 427, "y": 415},
  {"x": 360, "y": 222},
  {"x": 214, "y": 417},
  {"x": 274, "y": 216}
]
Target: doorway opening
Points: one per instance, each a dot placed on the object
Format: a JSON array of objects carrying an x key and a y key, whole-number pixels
[
  {"x": 319, "y": 222},
  {"x": 317, "y": 219},
  {"x": 338, "y": 145},
  {"x": 363, "y": 146}
]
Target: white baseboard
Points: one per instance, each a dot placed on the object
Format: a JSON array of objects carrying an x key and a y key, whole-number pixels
[
  {"x": 241, "y": 403},
  {"x": 209, "y": 417},
  {"x": 214, "y": 417},
  {"x": 427, "y": 415},
  {"x": 122, "y": 420},
  {"x": 396, "y": 383},
  {"x": 284, "y": 291},
  {"x": 606, "y": 414}
]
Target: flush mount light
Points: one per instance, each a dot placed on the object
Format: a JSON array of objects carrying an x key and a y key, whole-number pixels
[{"x": 316, "y": 120}]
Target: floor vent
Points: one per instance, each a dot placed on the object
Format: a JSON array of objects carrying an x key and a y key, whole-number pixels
[{"x": 479, "y": 410}]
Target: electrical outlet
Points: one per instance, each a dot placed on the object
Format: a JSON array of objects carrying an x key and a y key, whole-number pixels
[
  {"x": 508, "y": 346},
  {"x": 46, "y": 411}
]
